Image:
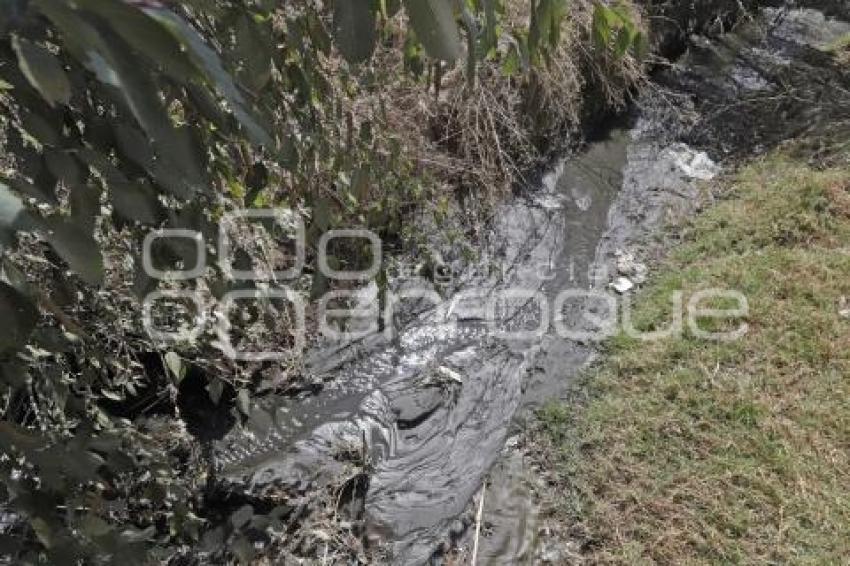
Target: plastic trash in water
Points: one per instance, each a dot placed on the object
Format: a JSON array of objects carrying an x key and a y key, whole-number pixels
[
  {"x": 581, "y": 197},
  {"x": 622, "y": 285},
  {"x": 694, "y": 164},
  {"x": 628, "y": 266}
]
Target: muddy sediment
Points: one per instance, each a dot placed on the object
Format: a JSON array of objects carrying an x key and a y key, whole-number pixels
[{"x": 424, "y": 414}]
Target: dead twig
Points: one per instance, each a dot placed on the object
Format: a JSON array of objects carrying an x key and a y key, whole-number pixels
[{"x": 478, "y": 524}]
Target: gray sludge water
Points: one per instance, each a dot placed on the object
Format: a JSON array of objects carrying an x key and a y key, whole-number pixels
[{"x": 436, "y": 402}]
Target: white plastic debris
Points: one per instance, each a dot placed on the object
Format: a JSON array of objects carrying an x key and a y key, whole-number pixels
[
  {"x": 583, "y": 203},
  {"x": 449, "y": 373},
  {"x": 694, "y": 164},
  {"x": 628, "y": 266},
  {"x": 549, "y": 201},
  {"x": 582, "y": 197},
  {"x": 622, "y": 285},
  {"x": 550, "y": 179}
]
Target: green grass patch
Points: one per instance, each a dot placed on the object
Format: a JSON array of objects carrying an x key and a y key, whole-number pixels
[
  {"x": 685, "y": 451},
  {"x": 840, "y": 44}
]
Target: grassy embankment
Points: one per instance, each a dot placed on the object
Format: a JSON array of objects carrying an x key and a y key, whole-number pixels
[{"x": 688, "y": 451}]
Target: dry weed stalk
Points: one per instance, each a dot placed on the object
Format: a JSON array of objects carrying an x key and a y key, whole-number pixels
[{"x": 483, "y": 139}]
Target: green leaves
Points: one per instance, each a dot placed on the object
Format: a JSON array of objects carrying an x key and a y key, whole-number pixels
[
  {"x": 435, "y": 26},
  {"x": 354, "y": 29},
  {"x": 514, "y": 60},
  {"x": 623, "y": 42},
  {"x": 42, "y": 531},
  {"x": 545, "y": 26},
  {"x": 243, "y": 402},
  {"x": 603, "y": 20},
  {"x": 471, "y": 26},
  {"x": 122, "y": 71},
  {"x": 413, "y": 56},
  {"x": 254, "y": 49},
  {"x": 43, "y": 70},
  {"x": 104, "y": 53},
  {"x": 175, "y": 366},
  {"x": 215, "y": 389},
  {"x": 93, "y": 526},
  {"x": 241, "y": 516},
  {"x": 492, "y": 10},
  {"x": 613, "y": 28},
  {"x": 77, "y": 248},
  {"x": 19, "y": 317},
  {"x": 17, "y": 437},
  {"x": 209, "y": 62},
  {"x": 145, "y": 35},
  {"x": 135, "y": 201},
  {"x": 13, "y": 215}
]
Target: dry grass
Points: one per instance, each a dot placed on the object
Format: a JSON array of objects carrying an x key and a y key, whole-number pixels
[
  {"x": 690, "y": 452},
  {"x": 484, "y": 139}
]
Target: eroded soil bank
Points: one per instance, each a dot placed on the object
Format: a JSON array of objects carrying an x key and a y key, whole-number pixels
[{"x": 384, "y": 459}]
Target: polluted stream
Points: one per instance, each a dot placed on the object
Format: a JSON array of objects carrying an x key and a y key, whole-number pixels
[{"x": 431, "y": 406}]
